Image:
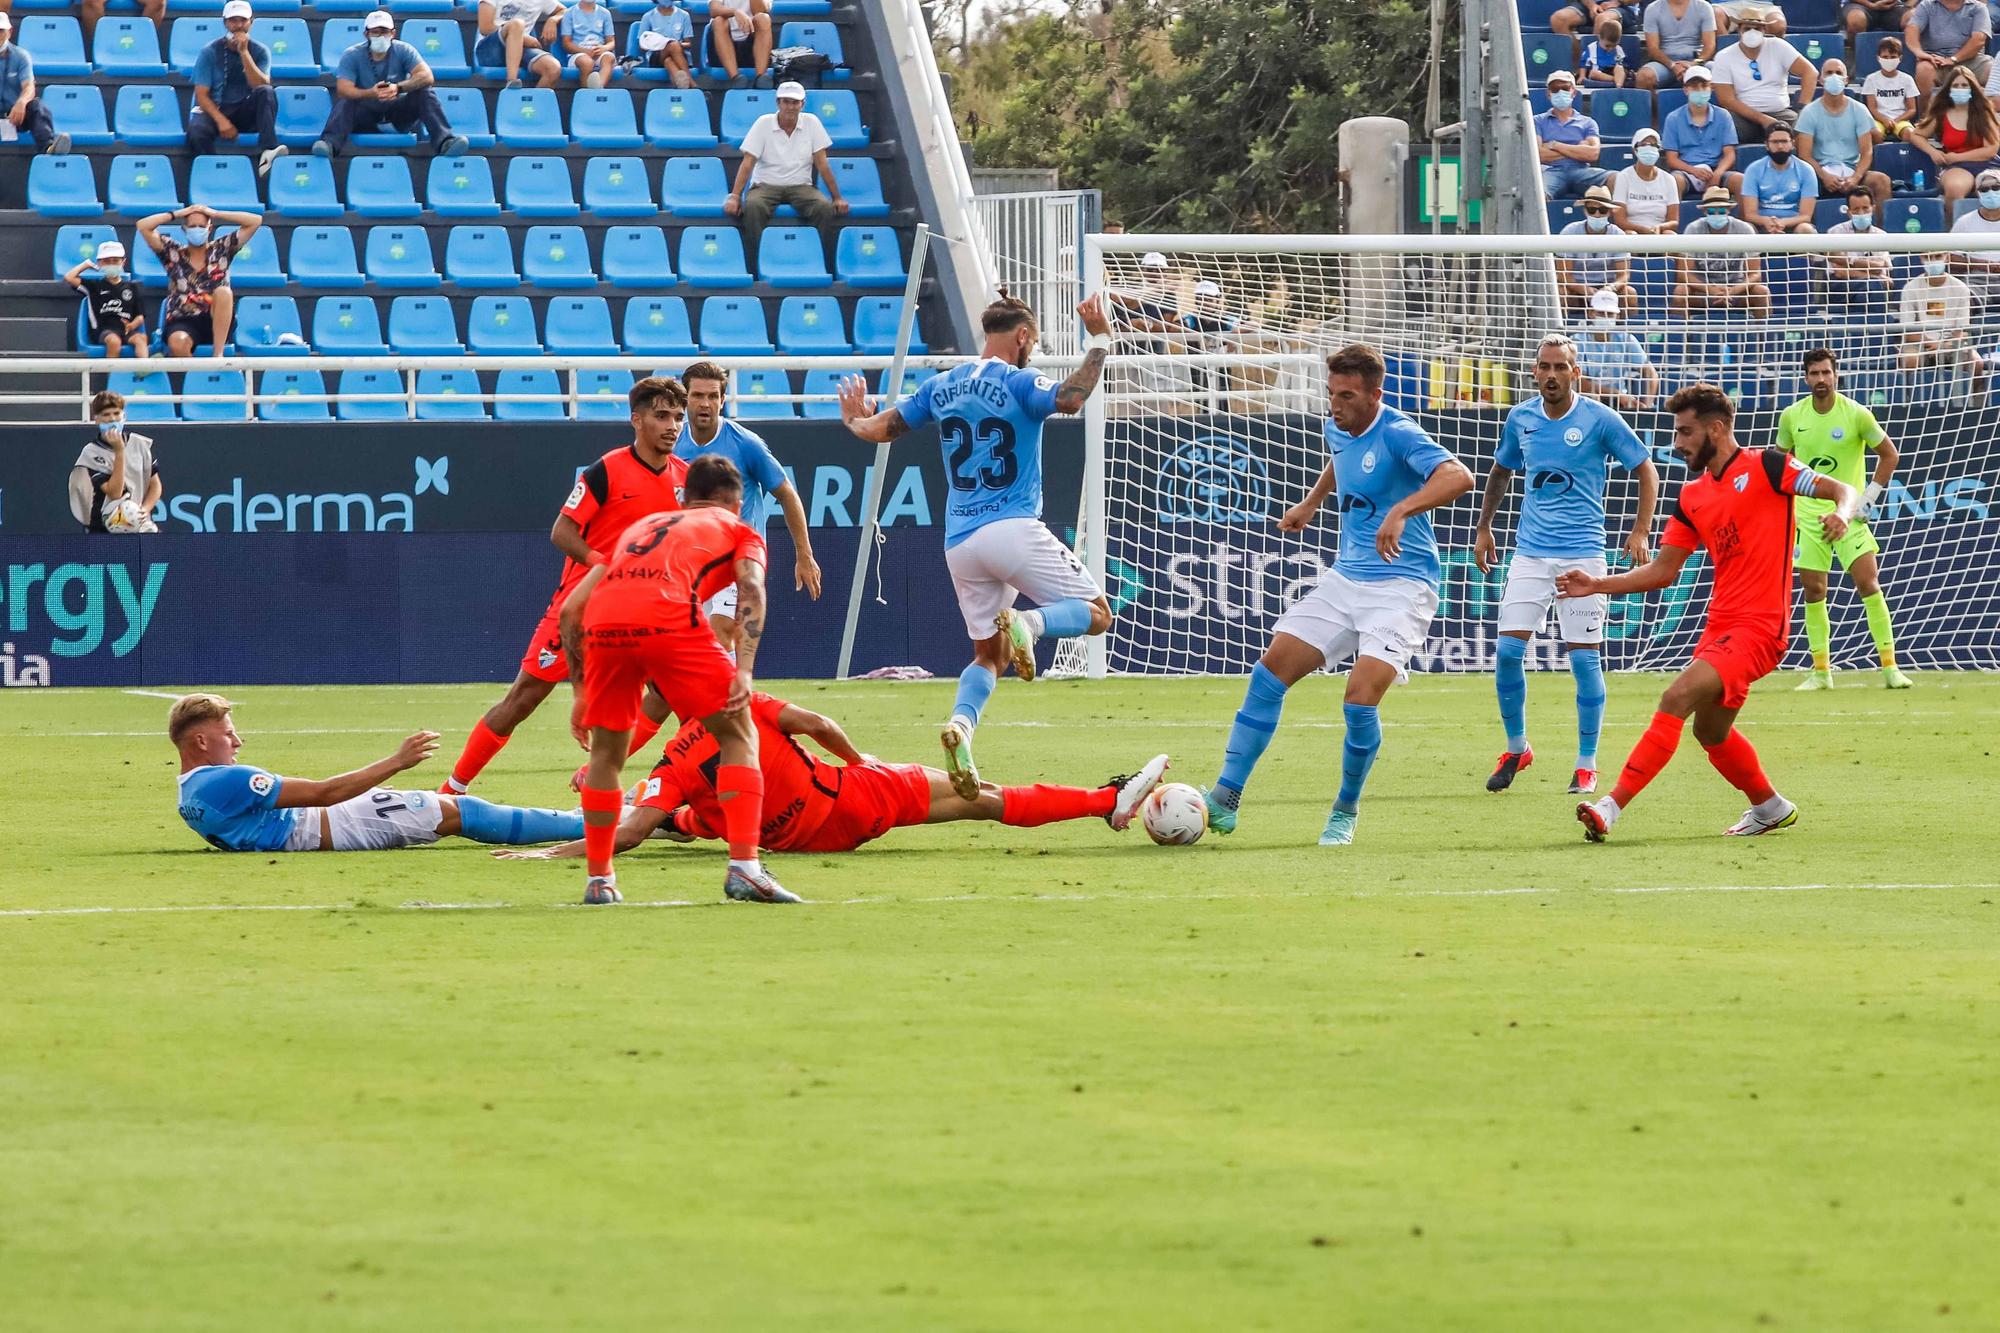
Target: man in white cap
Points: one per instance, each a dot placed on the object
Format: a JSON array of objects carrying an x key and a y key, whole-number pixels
[
  {"x": 1645, "y": 198},
  {"x": 24, "y": 110},
  {"x": 515, "y": 35},
  {"x": 662, "y": 38},
  {"x": 1616, "y": 369},
  {"x": 382, "y": 81},
  {"x": 1699, "y": 139},
  {"x": 780, "y": 154},
  {"x": 739, "y": 34},
  {"x": 233, "y": 91},
  {"x": 111, "y": 300},
  {"x": 1569, "y": 142},
  {"x": 1150, "y": 309}
]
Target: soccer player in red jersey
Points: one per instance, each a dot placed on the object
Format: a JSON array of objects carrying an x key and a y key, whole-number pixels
[
  {"x": 639, "y": 620},
  {"x": 1739, "y": 506},
  {"x": 609, "y": 496}
]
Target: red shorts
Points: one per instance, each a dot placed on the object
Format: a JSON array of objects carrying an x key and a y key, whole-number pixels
[
  {"x": 544, "y": 656},
  {"x": 689, "y": 668},
  {"x": 1742, "y": 657},
  {"x": 874, "y": 798}
]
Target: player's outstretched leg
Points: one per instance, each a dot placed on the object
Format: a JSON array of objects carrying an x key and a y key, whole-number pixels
[
  {"x": 1587, "y": 666},
  {"x": 1066, "y": 619},
  {"x": 513, "y": 825},
  {"x": 1510, "y": 682},
  {"x": 1116, "y": 802},
  {"x": 1652, "y": 754},
  {"x": 1736, "y": 759},
  {"x": 1249, "y": 736}
]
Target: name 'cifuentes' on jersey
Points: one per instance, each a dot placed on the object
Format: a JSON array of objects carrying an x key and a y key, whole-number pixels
[
  {"x": 989, "y": 417},
  {"x": 1373, "y": 471},
  {"x": 1567, "y": 463}
]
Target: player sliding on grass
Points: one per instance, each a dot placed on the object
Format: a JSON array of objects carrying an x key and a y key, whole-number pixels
[
  {"x": 989, "y": 414},
  {"x": 1565, "y": 444},
  {"x": 1739, "y": 505},
  {"x": 238, "y": 808},
  {"x": 1377, "y": 600},
  {"x": 811, "y": 805}
]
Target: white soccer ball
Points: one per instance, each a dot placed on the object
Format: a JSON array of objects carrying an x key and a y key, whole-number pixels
[
  {"x": 125, "y": 516},
  {"x": 1174, "y": 815}
]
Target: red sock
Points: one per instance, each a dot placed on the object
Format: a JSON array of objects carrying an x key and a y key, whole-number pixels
[
  {"x": 480, "y": 747},
  {"x": 1030, "y": 807},
  {"x": 643, "y": 732},
  {"x": 600, "y": 841},
  {"x": 1648, "y": 757},
  {"x": 1736, "y": 759},
  {"x": 740, "y": 789}
]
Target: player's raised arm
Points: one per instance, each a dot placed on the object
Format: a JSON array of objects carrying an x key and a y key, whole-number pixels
[
  {"x": 1659, "y": 572},
  {"x": 1072, "y": 392},
  {"x": 414, "y": 750},
  {"x": 1485, "y": 551},
  {"x": 796, "y": 721},
  {"x": 858, "y": 414},
  {"x": 1447, "y": 481}
]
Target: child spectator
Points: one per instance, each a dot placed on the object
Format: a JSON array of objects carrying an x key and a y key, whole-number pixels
[
  {"x": 1604, "y": 59},
  {"x": 1890, "y": 90}
]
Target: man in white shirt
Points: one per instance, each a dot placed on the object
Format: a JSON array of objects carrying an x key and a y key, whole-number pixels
[
  {"x": 780, "y": 154},
  {"x": 1937, "y": 318},
  {"x": 1752, "y": 80},
  {"x": 1982, "y": 267},
  {"x": 1646, "y": 198},
  {"x": 514, "y": 34},
  {"x": 1867, "y": 270}
]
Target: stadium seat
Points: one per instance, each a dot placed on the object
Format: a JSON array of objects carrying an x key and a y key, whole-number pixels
[
  {"x": 658, "y": 326},
  {"x": 538, "y": 382},
  {"x": 302, "y": 113},
  {"x": 262, "y": 320},
  {"x": 1812, "y": 15},
  {"x": 54, "y": 42},
  {"x": 462, "y": 385},
  {"x": 184, "y": 43},
  {"x": 146, "y": 268},
  {"x": 214, "y": 382},
  {"x": 740, "y": 109},
  {"x": 713, "y": 257},
  {"x": 861, "y": 186},
  {"x": 529, "y": 118},
  {"x": 461, "y": 187},
  {"x": 76, "y": 242},
  {"x": 539, "y": 187},
  {"x": 324, "y": 257},
  {"x": 124, "y": 47},
  {"x": 400, "y": 257},
  {"x": 291, "y": 47},
  {"x": 913, "y": 378},
  {"x": 83, "y": 342},
  {"x": 347, "y": 326},
  {"x": 637, "y": 257},
  {"x": 812, "y": 326},
  {"x": 556, "y": 257},
  {"x": 579, "y": 326},
  {"x": 875, "y": 321},
  {"x": 603, "y": 395},
  {"x": 141, "y": 183},
  {"x": 801, "y": 8},
  {"x": 77, "y": 112},
  {"x": 1611, "y": 157},
  {"x": 1867, "y": 52},
  {"x": 224, "y": 180},
  {"x": 423, "y": 326},
  {"x": 605, "y": 118},
  {"x": 348, "y": 6},
  {"x": 480, "y": 257},
  {"x": 1819, "y": 47},
  {"x": 821, "y": 37},
  {"x": 616, "y": 187},
  {"x": 148, "y": 115},
  {"x": 694, "y": 187},
  {"x": 256, "y": 267},
  {"x": 1545, "y": 53},
  {"x": 63, "y": 187},
  {"x": 1900, "y": 163},
  {"x": 824, "y": 384},
  {"x": 335, "y": 39},
  {"x": 1829, "y": 213},
  {"x": 301, "y": 186},
  {"x": 1666, "y": 101},
  {"x": 146, "y": 394},
  {"x": 869, "y": 257},
  {"x": 502, "y": 326},
  {"x": 1535, "y": 14},
  {"x": 356, "y": 382},
  {"x": 840, "y": 112},
  {"x": 379, "y": 186},
  {"x": 441, "y": 42},
  {"x": 792, "y": 257},
  {"x": 760, "y": 396},
  {"x": 734, "y": 326},
  {"x": 678, "y": 118},
  {"x": 287, "y": 392},
  {"x": 1912, "y": 215},
  {"x": 1621, "y": 112},
  {"x": 465, "y": 110}
]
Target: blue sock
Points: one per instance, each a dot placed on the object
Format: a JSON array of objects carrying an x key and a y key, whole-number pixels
[
  {"x": 1066, "y": 619},
  {"x": 975, "y": 687},
  {"x": 1510, "y": 678},
  {"x": 1357, "y": 756},
  {"x": 1588, "y": 667},
  {"x": 513, "y": 825},
  {"x": 1251, "y": 736}
]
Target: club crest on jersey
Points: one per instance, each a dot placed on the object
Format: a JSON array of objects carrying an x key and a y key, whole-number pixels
[
  {"x": 1742, "y": 480},
  {"x": 1368, "y": 461},
  {"x": 262, "y": 783},
  {"x": 1839, "y": 432},
  {"x": 1572, "y": 437},
  {"x": 546, "y": 658}
]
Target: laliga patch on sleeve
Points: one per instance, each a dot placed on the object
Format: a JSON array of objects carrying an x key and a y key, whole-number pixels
[
  {"x": 1043, "y": 384},
  {"x": 575, "y": 495},
  {"x": 262, "y": 784}
]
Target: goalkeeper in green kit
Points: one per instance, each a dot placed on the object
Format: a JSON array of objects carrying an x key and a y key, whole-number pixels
[{"x": 1832, "y": 434}]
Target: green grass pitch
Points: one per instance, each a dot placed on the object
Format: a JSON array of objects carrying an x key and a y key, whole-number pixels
[{"x": 1467, "y": 1074}]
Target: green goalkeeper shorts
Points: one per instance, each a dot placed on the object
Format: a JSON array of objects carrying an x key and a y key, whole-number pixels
[{"x": 1817, "y": 553}]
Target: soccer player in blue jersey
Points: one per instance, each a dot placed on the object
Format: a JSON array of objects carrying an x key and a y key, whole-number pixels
[
  {"x": 1376, "y": 602},
  {"x": 238, "y": 808},
  {"x": 1565, "y": 444},
  {"x": 989, "y": 416}
]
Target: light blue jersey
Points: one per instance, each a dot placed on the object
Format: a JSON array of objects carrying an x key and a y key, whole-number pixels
[
  {"x": 1383, "y": 465},
  {"x": 753, "y": 458},
  {"x": 1566, "y": 462},
  {"x": 989, "y": 416},
  {"x": 234, "y": 808}
]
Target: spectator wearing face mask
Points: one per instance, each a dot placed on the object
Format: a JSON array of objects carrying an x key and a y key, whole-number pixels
[
  {"x": 1891, "y": 92},
  {"x": 1957, "y": 132},
  {"x": 1937, "y": 320},
  {"x": 382, "y": 81},
  {"x": 233, "y": 91},
  {"x": 200, "y": 304},
  {"x": 1836, "y": 138},
  {"x": 1645, "y": 200},
  {"x": 1779, "y": 190},
  {"x": 1616, "y": 370},
  {"x": 1719, "y": 280},
  {"x": 1981, "y": 268},
  {"x": 115, "y": 467},
  {"x": 1859, "y": 277},
  {"x": 1580, "y": 274},
  {"x": 1943, "y": 35},
  {"x": 1700, "y": 139},
  {"x": 1569, "y": 142},
  {"x": 18, "y": 103},
  {"x": 111, "y": 299},
  {"x": 1752, "y": 79},
  {"x": 1680, "y": 35}
]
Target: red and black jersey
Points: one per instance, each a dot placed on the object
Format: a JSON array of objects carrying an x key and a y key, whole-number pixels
[
  {"x": 1744, "y": 519},
  {"x": 610, "y": 496}
]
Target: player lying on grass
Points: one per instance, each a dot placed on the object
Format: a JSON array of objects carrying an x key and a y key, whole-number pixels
[
  {"x": 238, "y": 808},
  {"x": 811, "y": 805}
]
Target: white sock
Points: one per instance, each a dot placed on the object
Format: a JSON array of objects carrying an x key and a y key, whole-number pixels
[
  {"x": 1588, "y": 761},
  {"x": 1608, "y": 808},
  {"x": 1033, "y": 620},
  {"x": 457, "y": 787},
  {"x": 1773, "y": 808},
  {"x": 752, "y": 867}
]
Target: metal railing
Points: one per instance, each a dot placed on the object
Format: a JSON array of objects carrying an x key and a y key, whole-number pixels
[{"x": 1037, "y": 241}]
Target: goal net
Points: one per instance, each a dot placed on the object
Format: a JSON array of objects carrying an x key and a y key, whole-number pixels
[{"x": 1209, "y": 422}]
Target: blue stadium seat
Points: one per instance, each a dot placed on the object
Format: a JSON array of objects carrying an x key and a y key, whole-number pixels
[
  {"x": 1621, "y": 112},
  {"x": 792, "y": 257},
  {"x": 757, "y": 395},
  {"x": 356, "y": 382},
  {"x": 1547, "y": 52},
  {"x": 1666, "y": 101},
  {"x": 184, "y": 42},
  {"x": 913, "y": 378},
  {"x": 145, "y": 264},
  {"x": 529, "y": 118},
  {"x": 821, "y": 37},
  {"x": 1535, "y": 14},
  {"x": 616, "y": 187},
  {"x": 226, "y": 181},
  {"x": 556, "y": 257},
  {"x": 76, "y": 242},
  {"x": 734, "y": 326},
  {"x": 287, "y": 392},
  {"x": 441, "y": 42},
  {"x": 54, "y": 42},
  {"x": 605, "y": 118},
  {"x": 379, "y": 186},
  {"x": 840, "y": 112},
  {"x": 603, "y": 395},
  {"x": 459, "y": 384},
  {"x": 875, "y": 321},
  {"x": 347, "y": 326},
  {"x": 291, "y": 47},
  {"x": 214, "y": 382},
  {"x": 346, "y": 6},
  {"x": 77, "y": 112},
  {"x": 713, "y": 257},
  {"x": 869, "y": 257},
  {"x": 324, "y": 257},
  {"x": 87, "y": 345},
  {"x": 262, "y": 320},
  {"x": 336, "y": 37},
  {"x": 801, "y": 8},
  {"x": 1812, "y": 15},
  {"x": 1819, "y": 47},
  {"x": 423, "y": 326},
  {"x": 812, "y": 326},
  {"x": 301, "y": 186},
  {"x": 401, "y": 257},
  {"x": 825, "y": 383},
  {"x": 740, "y": 109},
  {"x": 579, "y": 326},
  {"x": 302, "y": 113},
  {"x": 461, "y": 187},
  {"x": 141, "y": 183},
  {"x": 63, "y": 187},
  {"x": 658, "y": 326},
  {"x": 637, "y": 257},
  {"x": 125, "y": 48},
  {"x": 1829, "y": 213},
  {"x": 1912, "y": 215},
  {"x": 539, "y": 187},
  {"x": 465, "y": 111},
  {"x": 1900, "y": 163},
  {"x": 480, "y": 257},
  {"x": 542, "y": 383},
  {"x": 148, "y": 115},
  {"x": 146, "y": 394},
  {"x": 1867, "y": 53},
  {"x": 1611, "y": 157},
  {"x": 256, "y": 267},
  {"x": 502, "y": 326},
  {"x": 694, "y": 187},
  {"x": 861, "y": 186},
  {"x": 678, "y": 118}
]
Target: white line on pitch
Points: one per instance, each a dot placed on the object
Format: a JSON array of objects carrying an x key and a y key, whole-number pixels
[{"x": 153, "y": 694}]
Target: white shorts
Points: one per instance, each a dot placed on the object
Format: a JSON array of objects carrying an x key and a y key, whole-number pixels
[
  {"x": 1009, "y": 558},
  {"x": 1531, "y": 588},
  {"x": 383, "y": 818},
  {"x": 722, "y": 604},
  {"x": 1343, "y": 617}
]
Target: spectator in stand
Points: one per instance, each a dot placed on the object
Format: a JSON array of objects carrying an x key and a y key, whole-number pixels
[
  {"x": 1569, "y": 146},
  {"x": 514, "y": 34},
  {"x": 1720, "y": 280},
  {"x": 1736, "y": 15},
  {"x": 1957, "y": 132},
  {"x": 1700, "y": 138},
  {"x": 1752, "y": 79},
  {"x": 233, "y": 91},
  {"x": 1616, "y": 370},
  {"x": 1836, "y": 138},
  {"x": 1645, "y": 200},
  {"x": 1873, "y": 16},
  {"x": 117, "y": 313},
  {"x": 91, "y": 11},
  {"x": 1937, "y": 322},
  {"x": 1981, "y": 268},
  {"x": 1779, "y": 190},
  {"x": 1210, "y": 322},
  {"x": 780, "y": 154},
  {"x": 663, "y": 38},
  {"x": 1604, "y": 59},
  {"x": 1862, "y": 277},
  {"x": 739, "y": 34},
  {"x": 1680, "y": 35},
  {"x": 1584, "y": 15},
  {"x": 200, "y": 303},
  {"x": 115, "y": 466},
  {"x": 1941, "y": 35},
  {"x": 384, "y": 81},
  {"x": 1891, "y": 92},
  {"x": 1580, "y": 274},
  {"x": 587, "y": 39},
  {"x": 24, "y": 110},
  {"x": 1151, "y": 310}
]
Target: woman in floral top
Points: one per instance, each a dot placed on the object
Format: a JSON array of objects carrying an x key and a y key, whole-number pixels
[{"x": 199, "y": 304}]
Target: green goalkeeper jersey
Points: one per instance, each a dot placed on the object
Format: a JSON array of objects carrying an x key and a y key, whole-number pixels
[{"x": 1834, "y": 444}]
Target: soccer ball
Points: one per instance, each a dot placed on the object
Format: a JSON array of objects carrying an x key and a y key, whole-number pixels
[
  {"x": 127, "y": 516},
  {"x": 1174, "y": 815}
]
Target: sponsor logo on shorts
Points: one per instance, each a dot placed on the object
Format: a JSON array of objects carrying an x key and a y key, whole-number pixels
[{"x": 262, "y": 783}]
